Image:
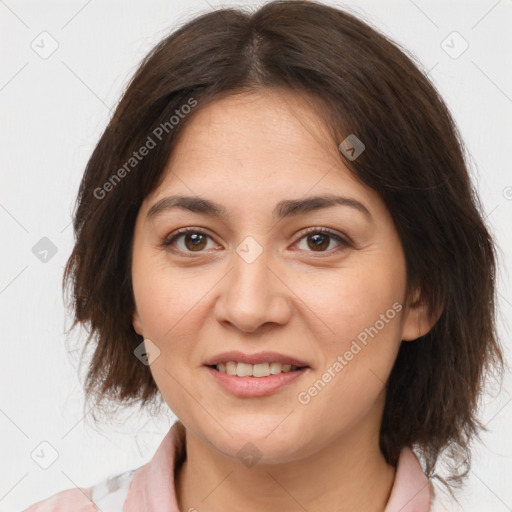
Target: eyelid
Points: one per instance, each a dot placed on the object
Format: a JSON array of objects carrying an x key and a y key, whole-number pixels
[{"x": 344, "y": 239}]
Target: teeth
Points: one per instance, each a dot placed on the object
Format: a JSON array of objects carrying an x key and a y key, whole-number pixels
[
  {"x": 244, "y": 370},
  {"x": 254, "y": 370}
]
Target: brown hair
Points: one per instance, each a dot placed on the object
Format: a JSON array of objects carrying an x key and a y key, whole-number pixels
[{"x": 414, "y": 158}]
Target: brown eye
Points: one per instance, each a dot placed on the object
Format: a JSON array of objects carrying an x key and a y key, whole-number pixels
[
  {"x": 318, "y": 240},
  {"x": 194, "y": 240}
]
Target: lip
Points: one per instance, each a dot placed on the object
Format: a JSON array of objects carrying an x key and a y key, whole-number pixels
[
  {"x": 259, "y": 357},
  {"x": 247, "y": 387}
]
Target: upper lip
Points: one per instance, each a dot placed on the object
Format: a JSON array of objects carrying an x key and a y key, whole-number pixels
[{"x": 259, "y": 357}]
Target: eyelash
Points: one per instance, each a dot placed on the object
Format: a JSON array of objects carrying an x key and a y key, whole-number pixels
[{"x": 323, "y": 231}]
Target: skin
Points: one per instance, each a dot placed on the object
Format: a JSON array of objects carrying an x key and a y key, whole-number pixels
[{"x": 248, "y": 152}]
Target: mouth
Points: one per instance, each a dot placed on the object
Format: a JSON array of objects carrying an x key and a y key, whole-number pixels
[
  {"x": 260, "y": 370},
  {"x": 243, "y": 381},
  {"x": 249, "y": 386},
  {"x": 261, "y": 364},
  {"x": 255, "y": 375}
]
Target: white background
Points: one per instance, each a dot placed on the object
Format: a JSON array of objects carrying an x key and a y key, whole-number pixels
[{"x": 53, "y": 112}]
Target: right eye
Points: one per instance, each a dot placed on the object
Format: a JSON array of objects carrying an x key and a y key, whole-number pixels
[{"x": 194, "y": 240}]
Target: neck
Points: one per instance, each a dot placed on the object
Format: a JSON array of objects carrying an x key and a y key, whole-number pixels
[{"x": 349, "y": 474}]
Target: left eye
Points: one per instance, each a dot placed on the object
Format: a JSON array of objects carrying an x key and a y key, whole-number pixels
[
  {"x": 194, "y": 240},
  {"x": 320, "y": 239}
]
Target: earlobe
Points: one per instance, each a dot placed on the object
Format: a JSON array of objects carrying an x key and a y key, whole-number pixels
[{"x": 417, "y": 321}]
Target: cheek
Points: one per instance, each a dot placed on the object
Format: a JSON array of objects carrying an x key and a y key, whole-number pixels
[
  {"x": 172, "y": 305},
  {"x": 167, "y": 305},
  {"x": 362, "y": 309},
  {"x": 352, "y": 299},
  {"x": 357, "y": 363},
  {"x": 162, "y": 298}
]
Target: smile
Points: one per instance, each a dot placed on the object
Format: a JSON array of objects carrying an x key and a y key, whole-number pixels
[{"x": 254, "y": 370}]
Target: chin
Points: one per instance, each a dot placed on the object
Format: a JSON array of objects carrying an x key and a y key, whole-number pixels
[{"x": 258, "y": 439}]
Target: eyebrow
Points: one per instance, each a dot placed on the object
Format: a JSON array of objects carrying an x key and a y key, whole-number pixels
[{"x": 283, "y": 209}]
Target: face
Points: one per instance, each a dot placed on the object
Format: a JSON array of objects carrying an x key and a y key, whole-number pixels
[{"x": 322, "y": 284}]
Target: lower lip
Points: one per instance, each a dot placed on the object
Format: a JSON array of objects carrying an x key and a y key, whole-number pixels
[{"x": 255, "y": 386}]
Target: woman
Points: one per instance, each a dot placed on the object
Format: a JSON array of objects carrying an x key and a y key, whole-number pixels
[{"x": 278, "y": 237}]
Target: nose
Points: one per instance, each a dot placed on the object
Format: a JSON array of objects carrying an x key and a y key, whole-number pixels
[{"x": 253, "y": 295}]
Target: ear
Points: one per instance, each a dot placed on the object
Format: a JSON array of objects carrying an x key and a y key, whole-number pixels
[
  {"x": 136, "y": 322},
  {"x": 417, "y": 322}
]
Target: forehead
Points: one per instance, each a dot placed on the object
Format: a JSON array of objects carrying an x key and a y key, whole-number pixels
[
  {"x": 257, "y": 126},
  {"x": 256, "y": 150}
]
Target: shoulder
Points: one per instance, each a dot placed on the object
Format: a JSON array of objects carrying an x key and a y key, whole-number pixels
[{"x": 108, "y": 495}]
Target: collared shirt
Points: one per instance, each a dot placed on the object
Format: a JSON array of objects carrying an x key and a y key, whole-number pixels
[{"x": 147, "y": 489}]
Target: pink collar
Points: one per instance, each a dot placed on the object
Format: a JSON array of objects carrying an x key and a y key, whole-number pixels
[{"x": 150, "y": 490}]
